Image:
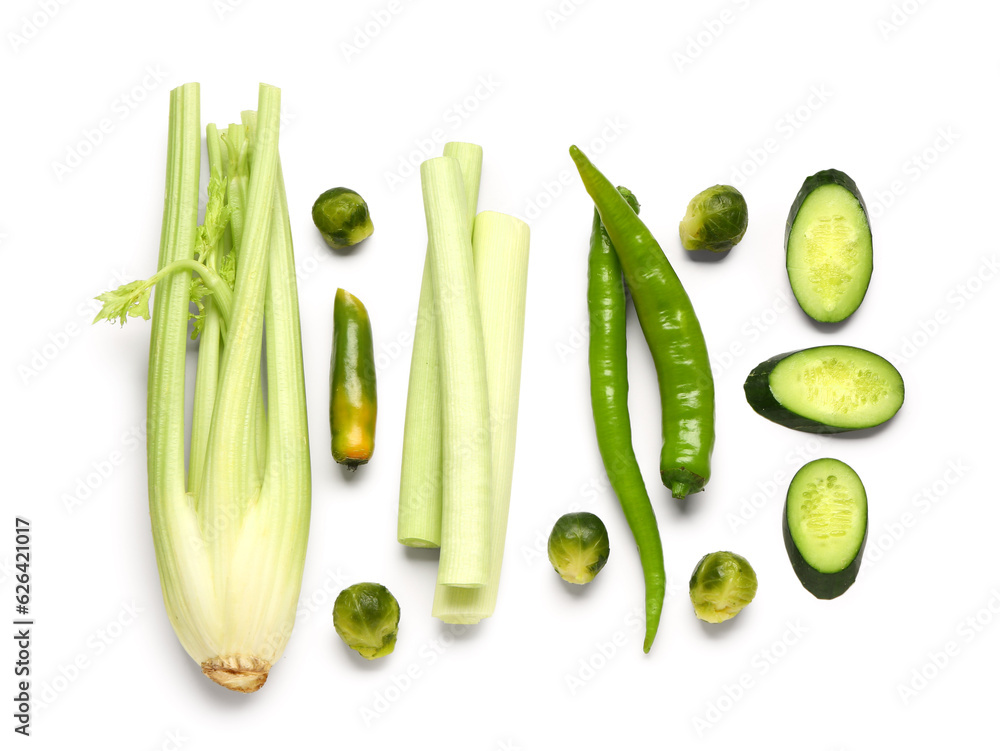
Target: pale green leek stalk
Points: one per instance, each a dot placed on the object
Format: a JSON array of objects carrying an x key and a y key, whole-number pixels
[
  {"x": 419, "y": 523},
  {"x": 230, "y": 542},
  {"x": 500, "y": 252},
  {"x": 465, "y": 453}
]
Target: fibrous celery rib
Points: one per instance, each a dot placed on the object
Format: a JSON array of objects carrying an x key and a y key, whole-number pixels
[{"x": 230, "y": 535}]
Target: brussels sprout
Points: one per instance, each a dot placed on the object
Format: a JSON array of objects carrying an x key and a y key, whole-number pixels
[
  {"x": 366, "y": 617},
  {"x": 342, "y": 217},
  {"x": 578, "y": 547},
  {"x": 722, "y": 584},
  {"x": 716, "y": 219}
]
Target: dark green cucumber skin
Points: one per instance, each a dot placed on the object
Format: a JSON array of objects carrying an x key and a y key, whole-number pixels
[
  {"x": 757, "y": 388},
  {"x": 758, "y": 392},
  {"x": 820, "y": 585},
  {"x": 821, "y": 178}
]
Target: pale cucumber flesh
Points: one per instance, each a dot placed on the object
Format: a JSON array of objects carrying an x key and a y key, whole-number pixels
[
  {"x": 829, "y": 253},
  {"x": 842, "y": 387},
  {"x": 827, "y": 514}
]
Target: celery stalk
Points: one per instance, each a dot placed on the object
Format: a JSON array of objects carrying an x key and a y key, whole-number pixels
[
  {"x": 210, "y": 339},
  {"x": 249, "y": 129},
  {"x": 500, "y": 253},
  {"x": 188, "y": 592},
  {"x": 230, "y": 539}
]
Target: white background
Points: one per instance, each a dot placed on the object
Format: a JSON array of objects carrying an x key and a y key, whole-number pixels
[{"x": 758, "y": 94}]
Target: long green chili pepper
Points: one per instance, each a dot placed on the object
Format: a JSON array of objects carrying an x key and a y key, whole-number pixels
[
  {"x": 352, "y": 383},
  {"x": 668, "y": 321},
  {"x": 609, "y": 399}
]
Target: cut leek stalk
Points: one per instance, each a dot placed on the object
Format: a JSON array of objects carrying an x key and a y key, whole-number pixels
[
  {"x": 419, "y": 523},
  {"x": 465, "y": 437},
  {"x": 500, "y": 252}
]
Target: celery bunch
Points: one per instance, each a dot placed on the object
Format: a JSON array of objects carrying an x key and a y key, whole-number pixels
[{"x": 230, "y": 532}]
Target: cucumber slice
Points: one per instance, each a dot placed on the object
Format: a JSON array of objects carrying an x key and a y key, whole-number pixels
[
  {"x": 825, "y": 525},
  {"x": 828, "y": 246},
  {"x": 829, "y": 389}
]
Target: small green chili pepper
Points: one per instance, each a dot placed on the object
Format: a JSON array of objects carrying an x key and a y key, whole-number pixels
[
  {"x": 609, "y": 400},
  {"x": 672, "y": 331},
  {"x": 353, "y": 404}
]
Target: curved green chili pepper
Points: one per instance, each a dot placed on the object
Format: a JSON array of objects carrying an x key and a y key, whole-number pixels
[
  {"x": 609, "y": 399},
  {"x": 353, "y": 404},
  {"x": 668, "y": 321}
]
